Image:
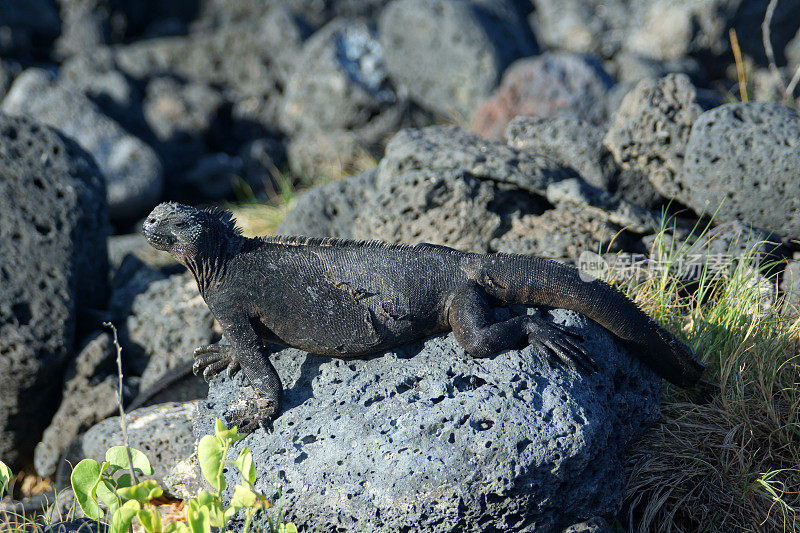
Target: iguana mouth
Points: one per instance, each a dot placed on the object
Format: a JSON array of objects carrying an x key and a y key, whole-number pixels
[{"x": 157, "y": 240}]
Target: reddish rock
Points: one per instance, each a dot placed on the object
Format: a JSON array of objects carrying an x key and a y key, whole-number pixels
[{"x": 546, "y": 86}]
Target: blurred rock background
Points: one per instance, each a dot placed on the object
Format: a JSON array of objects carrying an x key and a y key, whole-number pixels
[{"x": 538, "y": 127}]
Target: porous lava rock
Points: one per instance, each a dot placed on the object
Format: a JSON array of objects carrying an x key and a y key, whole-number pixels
[
  {"x": 53, "y": 270},
  {"x": 425, "y": 437}
]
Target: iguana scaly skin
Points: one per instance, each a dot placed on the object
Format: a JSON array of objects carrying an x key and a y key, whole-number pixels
[{"x": 348, "y": 298}]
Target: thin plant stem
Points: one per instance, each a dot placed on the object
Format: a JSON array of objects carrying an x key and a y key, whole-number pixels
[
  {"x": 119, "y": 402},
  {"x": 766, "y": 38}
]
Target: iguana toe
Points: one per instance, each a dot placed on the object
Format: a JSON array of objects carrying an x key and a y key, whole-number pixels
[
  {"x": 561, "y": 346},
  {"x": 213, "y": 369},
  {"x": 212, "y": 359},
  {"x": 233, "y": 367}
]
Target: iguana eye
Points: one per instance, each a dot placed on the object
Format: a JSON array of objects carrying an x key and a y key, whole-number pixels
[{"x": 180, "y": 224}]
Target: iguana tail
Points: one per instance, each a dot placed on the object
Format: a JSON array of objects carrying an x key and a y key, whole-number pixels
[{"x": 537, "y": 281}]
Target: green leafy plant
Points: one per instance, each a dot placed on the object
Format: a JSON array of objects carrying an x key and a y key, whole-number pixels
[
  {"x": 5, "y": 478},
  {"x": 212, "y": 452},
  {"x": 115, "y": 483}
]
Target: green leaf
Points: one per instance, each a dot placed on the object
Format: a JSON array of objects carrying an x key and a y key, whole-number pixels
[
  {"x": 118, "y": 457},
  {"x": 205, "y": 498},
  {"x": 211, "y": 502},
  {"x": 243, "y": 496},
  {"x": 246, "y": 466},
  {"x": 210, "y": 453},
  {"x": 287, "y": 528},
  {"x": 84, "y": 479},
  {"x": 176, "y": 527},
  {"x": 121, "y": 521},
  {"x": 105, "y": 491},
  {"x": 142, "y": 492},
  {"x": 5, "y": 477},
  {"x": 198, "y": 518},
  {"x": 228, "y": 513},
  {"x": 125, "y": 480},
  {"x": 150, "y": 519},
  {"x": 230, "y": 435},
  {"x": 217, "y": 516}
]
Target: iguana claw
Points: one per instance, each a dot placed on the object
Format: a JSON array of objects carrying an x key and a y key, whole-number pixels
[
  {"x": 561, "y": 345},
  {"x": 212, "y": 359}
]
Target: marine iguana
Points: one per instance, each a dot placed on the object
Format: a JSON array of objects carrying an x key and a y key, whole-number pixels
[{"x": 349, "y": 298}]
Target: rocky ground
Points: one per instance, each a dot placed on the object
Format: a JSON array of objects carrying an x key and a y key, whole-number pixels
[{"x": 548, "y": 128}]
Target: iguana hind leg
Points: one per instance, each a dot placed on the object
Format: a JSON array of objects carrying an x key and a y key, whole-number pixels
[{"x": 469, "y": 318}]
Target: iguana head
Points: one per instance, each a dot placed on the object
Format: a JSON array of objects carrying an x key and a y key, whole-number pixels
[{"x": 188, "y": 233}]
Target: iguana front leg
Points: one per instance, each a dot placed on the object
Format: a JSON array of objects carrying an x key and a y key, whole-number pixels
[{"x": 248, "y": 352}]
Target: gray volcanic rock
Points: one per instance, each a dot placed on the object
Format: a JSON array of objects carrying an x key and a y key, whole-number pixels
[
  {"x": 247, "y": 61},
  {"x": 793, "y": 52},
  {"x": 95, "y": 74},
  {"x": 790, "y": 285},
  {"x": 213, "y": 176},
  {"x": 746, "y": 157},
  {"x": 448, "y": 207},
  {"x": 631, "y": 68},
  {"x": 449, "y": 55},
  {"x": 340, "y": 81},
  {"x": 84, "y": 26},
  {"x": 573, "y": 143},
  {"x": 89, "y": 395},
  {"x": 670, "y": 29},
  {"x": 450, "y": 148},
  {"x": 87, "y": 24},
  {"x": 53, "y": 268},
  {"x": 546, "y": 86},
  {"x": 426, "y": 438},
  {"x": 581, "y": 26},
  {"x": 561, "y": 233},
  {"x": 165, "y": 323},
  {"x": 131, "y": 168},
  {"x": 595, "y": 524},
  {"x": 665, "y": 29},
  {"x": 312, "y": 12},
  {"x": 9, "y": 70},
  {"x": 186, "y": 119},
  {"x": 163, "y": 432},
  {"x": 650, "y": 130},
  {"x": 319, "y": 156},
  {"x": 329, "y": 210},
  {"x": 181, "y": 112},
  {"x": 262, "y": 158},
  {"x": 447, "y": 186}
]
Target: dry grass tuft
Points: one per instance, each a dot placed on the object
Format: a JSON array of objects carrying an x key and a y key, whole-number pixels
[
  {"x": 726, "y": 456},
  {"x": 257, "y": 220}
]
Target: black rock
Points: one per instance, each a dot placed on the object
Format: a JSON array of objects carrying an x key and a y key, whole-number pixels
[{"x": 53, "y": 271}]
